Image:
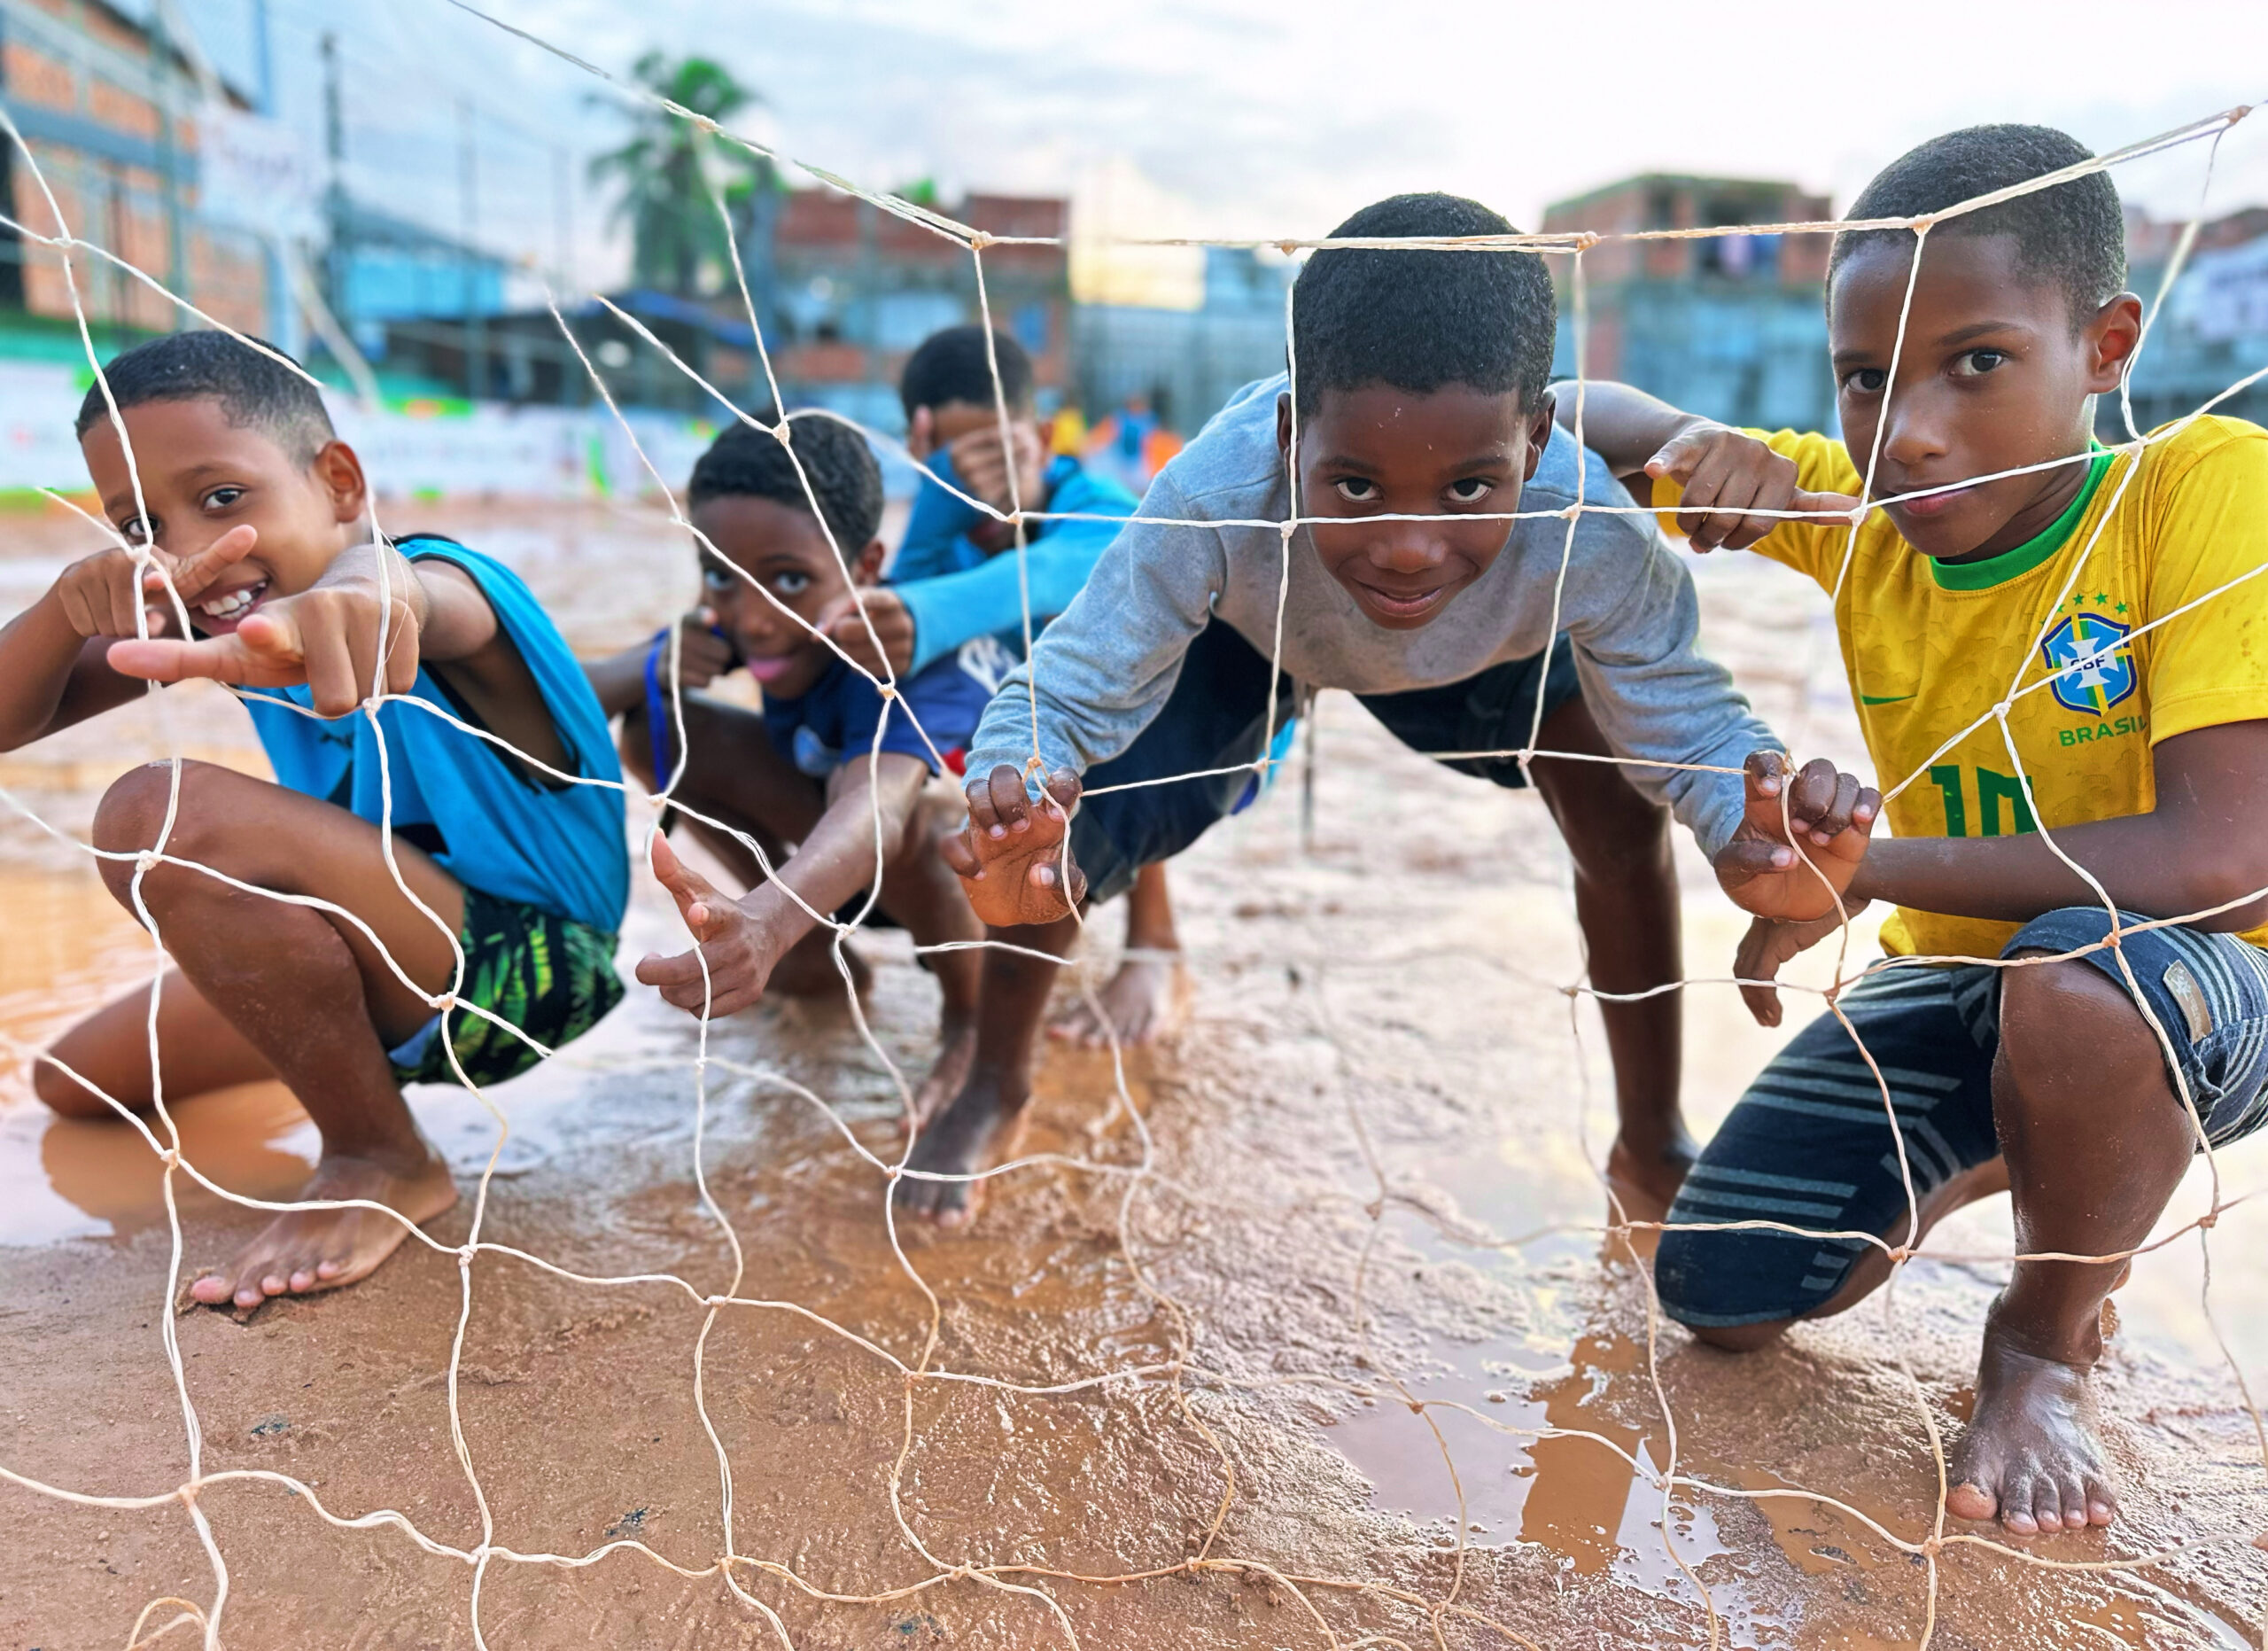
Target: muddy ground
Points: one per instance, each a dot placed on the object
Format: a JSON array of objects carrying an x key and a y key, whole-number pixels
[{"x": 1394, "y": 981}]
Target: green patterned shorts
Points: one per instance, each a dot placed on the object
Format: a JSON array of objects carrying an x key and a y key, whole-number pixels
[{"x": 551, "y": 977}]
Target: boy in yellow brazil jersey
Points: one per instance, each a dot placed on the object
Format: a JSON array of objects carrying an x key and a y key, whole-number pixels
[{"x": 2043, "y": 637}]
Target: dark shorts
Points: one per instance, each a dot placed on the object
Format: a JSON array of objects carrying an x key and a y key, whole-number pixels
[
  {"x": 1809, "y": 1145},
  {"x": 551, "y": 977},
  {"x": 1217, "y": 717}
]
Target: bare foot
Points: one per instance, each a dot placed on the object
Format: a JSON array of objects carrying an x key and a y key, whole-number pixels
[
  {"x": 2031, "y": 1454},
  {"x": 312, "y": 1250},
  {"x": 807, "y": 969},
  {"x": 956, "y": 1050},
  {"x": 1141, "y": 1003},
  {"x": 1646, "y": 1180},
  {"x": 979, "y": 1130}
]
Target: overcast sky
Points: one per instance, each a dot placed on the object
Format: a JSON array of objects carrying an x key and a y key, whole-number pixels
[{"x": 1266, "y": 118}]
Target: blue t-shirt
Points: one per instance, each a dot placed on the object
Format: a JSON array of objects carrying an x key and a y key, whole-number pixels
[
  {"x": 956, "y": 591},
  {"x": 489, "y": 823},
  {"x": 834, "y": 723}
]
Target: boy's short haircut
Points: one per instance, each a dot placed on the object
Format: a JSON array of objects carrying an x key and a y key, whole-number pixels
[
  {"x": 252, "y": 388},
  {"x": 844, "y": 477},
  {"x": 952, "y": 366},
  {"x": 1421, "y": 319},
  {"x": 2073, "y": 234}
]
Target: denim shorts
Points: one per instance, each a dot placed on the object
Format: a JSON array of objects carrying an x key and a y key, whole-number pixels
[
  {"x": 1216, "y": 717},
  {"x": 1809, "y": 1145}
]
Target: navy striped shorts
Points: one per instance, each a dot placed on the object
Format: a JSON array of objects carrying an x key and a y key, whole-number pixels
[{"x": 1809, "y": 1145}]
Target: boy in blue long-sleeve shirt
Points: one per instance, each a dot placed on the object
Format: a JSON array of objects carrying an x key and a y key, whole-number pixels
[{"x": 955, "y": 581}]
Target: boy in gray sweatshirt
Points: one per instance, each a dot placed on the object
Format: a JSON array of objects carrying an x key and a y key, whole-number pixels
[{"x": 1416, "y": 422}]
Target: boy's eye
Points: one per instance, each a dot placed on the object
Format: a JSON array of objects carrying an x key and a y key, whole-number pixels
[
  {"x": 1357, "y": 489},
  {"x": 1976, "y": 363},
  {"x": 790, "y": 583},
  {"x": 134, "y": 531},
  {"x": 1866, "y": 380},
  {"x": 718, "y": 579},
  {"x": 1470, "y": 489},
  {"x": 222, "y": 498}
]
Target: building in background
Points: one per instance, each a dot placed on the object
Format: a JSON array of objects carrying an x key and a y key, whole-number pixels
[
  {"x": 854, "y": 289},
  {"x": 2213, "y": 330},
  {"x": 1178, "y": 366},
  {"x": 107, "y": 106},
  {"x": 1732, "y": 326}
]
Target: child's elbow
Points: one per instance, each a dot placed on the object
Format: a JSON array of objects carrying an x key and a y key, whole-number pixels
[{"x": 2228, "y": 895}]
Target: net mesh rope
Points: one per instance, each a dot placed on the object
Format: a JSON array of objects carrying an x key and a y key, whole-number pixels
[{"x": 1182, "y": 1373}]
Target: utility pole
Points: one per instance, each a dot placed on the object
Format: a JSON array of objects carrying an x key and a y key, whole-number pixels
[
  {"x": 563, "y": 213},
  {"x": 475, "y": 331},
  {"x": 338, "y": 255},
  {"x": 283, "y": 309},
  {"x": 161, "y": 77}
]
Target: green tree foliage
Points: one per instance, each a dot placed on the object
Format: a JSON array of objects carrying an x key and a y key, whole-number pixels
[{"x": 663, "y": 175}]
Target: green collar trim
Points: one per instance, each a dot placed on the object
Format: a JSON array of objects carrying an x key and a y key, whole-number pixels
[{"x": 1998, "y": 570}]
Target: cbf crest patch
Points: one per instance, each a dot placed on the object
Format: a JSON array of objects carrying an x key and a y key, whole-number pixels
[{"x": 2091, "y": 665}]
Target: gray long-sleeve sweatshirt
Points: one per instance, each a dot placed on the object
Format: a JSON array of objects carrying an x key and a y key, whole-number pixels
[{"x": 1106, "y": 666}]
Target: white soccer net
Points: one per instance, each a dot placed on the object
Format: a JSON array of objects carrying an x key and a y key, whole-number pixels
[{"x": 1173, "y": 1383}]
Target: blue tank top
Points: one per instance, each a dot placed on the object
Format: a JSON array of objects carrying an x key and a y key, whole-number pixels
[{"x": 489, "y": 823}]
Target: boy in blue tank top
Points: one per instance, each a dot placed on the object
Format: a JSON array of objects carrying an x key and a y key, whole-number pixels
[{"x": 321, "y": 971}]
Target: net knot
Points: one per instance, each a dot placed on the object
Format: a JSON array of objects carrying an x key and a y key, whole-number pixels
[
  {"x": 1572, "y": 511},
  {"x": 148, "y": 861},
  {"x": 1900, "y": 1253},
  {"x": 2001, "y": 711},
  {"x": 1931, "y": 1547},
  {"x": 170, "y": 1157},
  {"x": 2211, "y": 1218},
  {"x": 441, "y": 1003},
  {"x": 978, "y": 240},
  {"x": 888, "y": 690}
]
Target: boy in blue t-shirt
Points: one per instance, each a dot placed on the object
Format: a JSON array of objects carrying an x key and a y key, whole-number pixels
[
  {"x": 324, "y": 972},
  {"x": 807, "y": 775},
  {"x": 955, "y": 579}
]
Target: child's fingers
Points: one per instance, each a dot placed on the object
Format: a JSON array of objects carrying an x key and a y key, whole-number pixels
[
  {"x": 1011, "y": 811},
  {"x": 1823, "y": 504},
  {"x": 1833, "y": 821},
  {"x": 1747, "y": 857},
  {"x": 1063, "y": 786},
  {"x": 1812, "y": 798},
  {"x": 1676, "y": 458},
  {"x": 1757, "y": 960},
  {"x": 696, "y": 899},
  {"x": 196, "y": 571},
  {"x": 960, "y": 857}
]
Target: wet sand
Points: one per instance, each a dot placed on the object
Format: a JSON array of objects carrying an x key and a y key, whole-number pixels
[{"x": 1396, "y": 985}]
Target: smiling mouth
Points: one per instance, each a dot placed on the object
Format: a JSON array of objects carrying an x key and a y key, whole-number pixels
[
  {"x": 770, "y": 667},
  {"x": 1402, "y": 606},
  {"x": 230, "y": 608}
]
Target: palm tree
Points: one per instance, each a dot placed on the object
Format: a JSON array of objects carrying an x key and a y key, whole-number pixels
[{"x": 664, "y": 173}]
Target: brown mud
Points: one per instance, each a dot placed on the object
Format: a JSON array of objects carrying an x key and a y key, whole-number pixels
[{"x": 1388, "y": 996}]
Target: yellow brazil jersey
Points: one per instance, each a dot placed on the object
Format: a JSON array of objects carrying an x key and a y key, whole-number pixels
[{"x": 2094, "y": 616}]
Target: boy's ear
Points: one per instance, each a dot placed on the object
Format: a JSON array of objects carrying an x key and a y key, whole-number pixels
[
  {"x": 1283, "y": 424},
  {"x": 338, "y": 472},
  {"x": 1539, "y": 431},
  {"x": 867, "y": 567},
  {"x": 2111, "y": 339}
]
